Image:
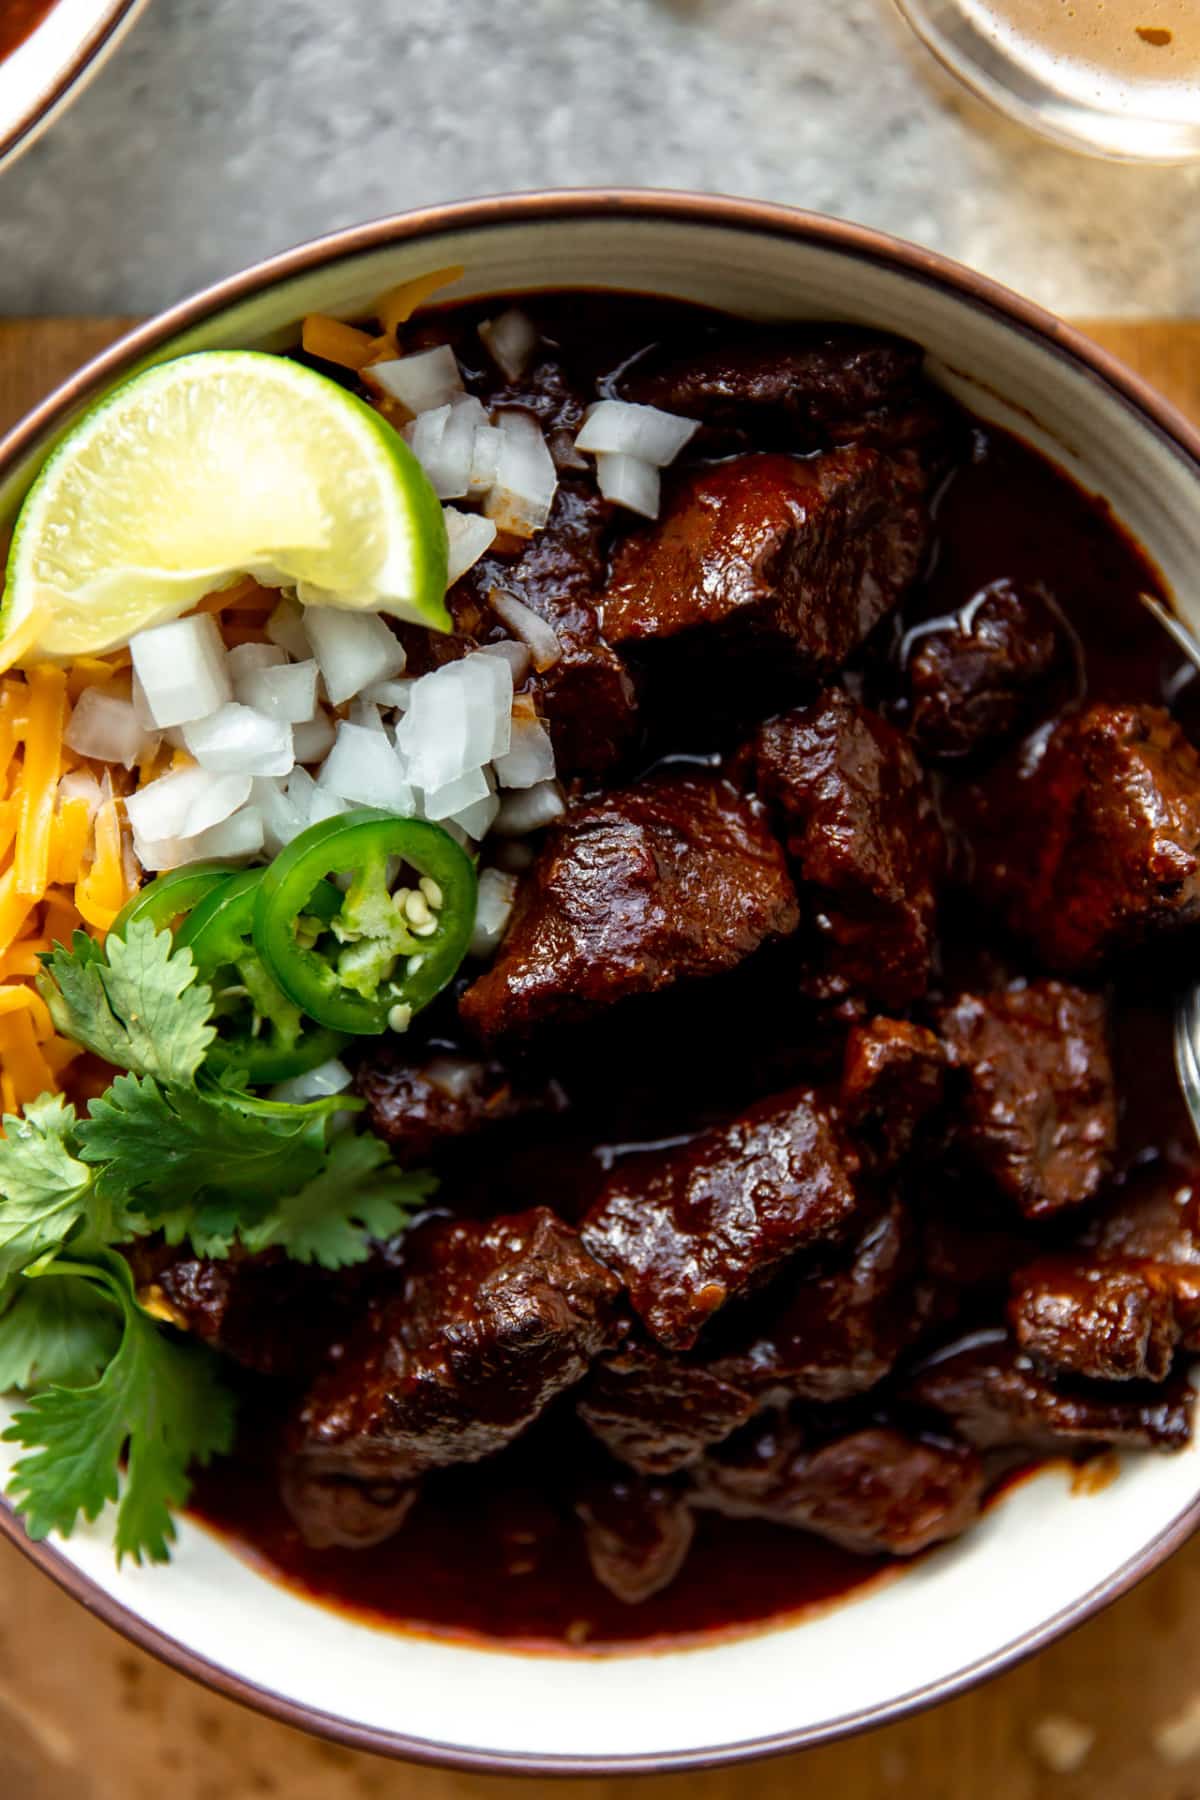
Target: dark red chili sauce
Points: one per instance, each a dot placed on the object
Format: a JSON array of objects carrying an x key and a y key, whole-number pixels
[
  {"x": 18, "y": 20},
  {"x": 493, "y": 1551}
]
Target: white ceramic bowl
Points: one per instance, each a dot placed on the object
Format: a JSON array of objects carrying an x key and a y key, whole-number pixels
[
  {"x": 1043, "y": 1559},
  {"x": 53, "y": 64}
]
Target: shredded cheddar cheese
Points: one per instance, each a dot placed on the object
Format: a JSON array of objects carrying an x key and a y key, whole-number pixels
[{"x": 336, "y": 342}]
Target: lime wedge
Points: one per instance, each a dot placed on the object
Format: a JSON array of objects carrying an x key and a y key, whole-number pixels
[{"x": 214, "y": 466}]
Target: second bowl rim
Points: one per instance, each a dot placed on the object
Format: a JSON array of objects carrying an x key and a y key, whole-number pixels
[{"x": 499, "y": 211}]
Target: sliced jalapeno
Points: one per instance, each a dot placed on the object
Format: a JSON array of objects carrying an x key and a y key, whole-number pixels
[
  {"x": 399, "y": 934},
  {"x": 259, "y": 1029},
  {"x": 169, "y": 898}
]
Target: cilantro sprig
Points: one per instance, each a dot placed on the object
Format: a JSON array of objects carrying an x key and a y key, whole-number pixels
[{"x": 168, "y": 1148}]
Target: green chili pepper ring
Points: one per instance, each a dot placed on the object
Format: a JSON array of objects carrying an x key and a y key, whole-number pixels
[
  {"x": 385, "y": 955},
  {"x": 262, "y": 1033},
  {"x": 168, "y": 899}
]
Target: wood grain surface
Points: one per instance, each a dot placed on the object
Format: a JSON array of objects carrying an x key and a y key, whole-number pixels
[{"x": 83, "y": 1716}]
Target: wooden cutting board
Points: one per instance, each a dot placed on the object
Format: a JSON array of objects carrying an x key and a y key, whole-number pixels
[{"x": 83, "y": 1716}]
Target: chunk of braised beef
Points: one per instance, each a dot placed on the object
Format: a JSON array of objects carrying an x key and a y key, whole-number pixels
[
  {"x": 637, "y": 1534},
  {"x": 587, "y": 696},
  {"x": 996, "y": 1397},
  {"x": 1037, "y": 1110},
  {"x": 876, "y": 1491},
  {"x": 419, "y": 1106},
  {"x": 266, "y": 1311},
  {"x": 893, "y": 1080},
  {"x": 657, "y": 1412},
  {"x": 1105, "y": 1321},
  {"x": 772, "y": 557},
  {"x": 974, "y": 683},
  {"x": 1095, "y": 848},
  {"x": 825, "y": 1337},
  {"x": 806, "y": 386},
  {"x": 1118, "y": 1305},
  {"x": 673, "y": 879},
  {"x": 485, "y": 1324},
  {"x": 333, "y": 1512},
  {"x": 861, "y": 831},
  {"x": 690, "y": 1228}
]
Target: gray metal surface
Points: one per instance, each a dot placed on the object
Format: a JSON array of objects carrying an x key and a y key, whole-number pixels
[{"x": 224, "y": 129}]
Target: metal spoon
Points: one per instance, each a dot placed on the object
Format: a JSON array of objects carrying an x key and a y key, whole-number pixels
[{"x": 1187, "y": 1007}]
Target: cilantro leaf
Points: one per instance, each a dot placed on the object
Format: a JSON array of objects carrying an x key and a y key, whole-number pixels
[
  {"x": 135, "y": 1002},
  {"x": 43, "y": 1187},
  {"x": 58, "y": 1329},
  {"x": 355, "y": 1198},
  {"x": 157, "y": 1148},
  {"x": 158, "y": 1402}
]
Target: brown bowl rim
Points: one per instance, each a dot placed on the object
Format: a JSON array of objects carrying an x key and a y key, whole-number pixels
[
  {"x": 500, "y": 212},
  {"x": 69, "y": 78}
]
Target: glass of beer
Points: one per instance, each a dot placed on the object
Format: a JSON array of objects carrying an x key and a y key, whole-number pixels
[{"x": 1118, "y": 78}]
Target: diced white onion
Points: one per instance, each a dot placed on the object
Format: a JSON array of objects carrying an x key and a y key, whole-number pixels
[
  {"x": 443, "y": 442},
  {"x": 363, "y": 767},
  {"x": 314, "y": 739},
  {"x": 448, "y": 801},
  {"x": 217, "y": 800},
  {"x": 510, "y": 339},
  {"x": 285, "y": 627},
  {"x": 491, "y": 697},
  {"x": 107, "y": 729},
  {"x": 353, "y": 650},
  {"x": 485, "y": 459},
  {"x": 515, "y": 654},
  {"x": 332, "y": 1077},
  {"x": 236, "y": 740},
  {"x": 422, "y": 381},
  {"x": 300, "y": 787},
  {"x": 469, "y": 536},
  {"x": 477, "y": 819},
  {"x": 325, "y": 805},
  {"x": 183, "y": 669},
  {"x": 524, "y": 623},
  {"x": 155, "y": 854},
  {"x": 139, "y": 703},
  {"x": 283, "y": 816},
  {"x": 528, "y": 809},
  {"x": 160, "y": 808},
  {"x": 287, "y": 693},
  {"x": 530, "y": 758},
  {"x": 390, "y": 694},
  {"x": 244, "y": 659},
  {"x": 526, "y": 478},
  {"x": 239, "y": 835},
  {"x": 629, "y": 482},
  {"x": 81, "y": 784},
  {"x": 493, "y": 909},
  {"x": 626, "y": 429}
]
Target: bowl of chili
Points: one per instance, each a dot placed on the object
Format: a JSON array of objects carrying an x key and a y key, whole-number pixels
[{"x": 1042, "y": 1559}]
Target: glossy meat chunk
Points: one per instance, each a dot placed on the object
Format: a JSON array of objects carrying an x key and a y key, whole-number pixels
[
  {"x": 418, "y": 1106},
  {"x": 973, "y": 682},
  {"x": 868, "y": 852},
  {"x": 825, "y": 1337},
  {"x": 995, "y": 1396},
  {"x": 486, "y": 1324},
  {"x": 657, "y": 1412},
  {"x": 1037, "y": 1110},
  {"x": 876, "y": 1491},
  {"x": 267, "y": 1312},
  {"x": 336, "y": 1513},
  {"x": 774, "y": 556},
  {"x": 1119, "y": 1305},
  {"x": 893, "y": 1079},
  {"x": 1107, "y": 1322},
  {"x": 1098, "y": 848},
  {"x": 688, "y": 1229},
  {"x": 808, "y": 386},
  {"x": 637, "y": 1534},
  {"x": 673, "y": 879},
  {"x": 587, "y": 697}
]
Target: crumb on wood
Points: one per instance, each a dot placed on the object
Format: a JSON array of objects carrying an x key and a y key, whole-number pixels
[
  {"x": 1177, "y": 1739},
  {"x": 1061, "y": 1744}
]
